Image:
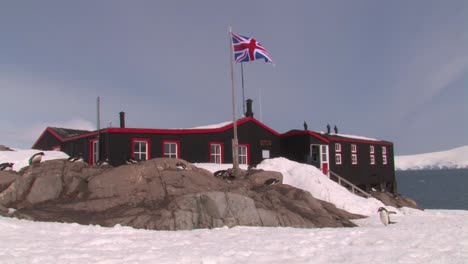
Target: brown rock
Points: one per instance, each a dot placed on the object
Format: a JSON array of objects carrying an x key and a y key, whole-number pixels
[{"x": 156, "y": 194}]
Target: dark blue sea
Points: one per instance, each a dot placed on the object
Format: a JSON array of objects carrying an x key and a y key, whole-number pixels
[{"x": 435, "y": 189}]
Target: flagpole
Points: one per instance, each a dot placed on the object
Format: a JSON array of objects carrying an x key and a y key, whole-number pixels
[
  {"x": 243, "y": 93},
  {"x": 235, "y": 142}
]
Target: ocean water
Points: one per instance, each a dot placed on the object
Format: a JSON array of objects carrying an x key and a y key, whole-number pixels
[{"x": 435, "y": 189}]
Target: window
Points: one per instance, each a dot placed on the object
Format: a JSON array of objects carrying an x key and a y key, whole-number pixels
[
  {"x": 384, "y": 155},
  {"x": 372, "y": 159},
  {"x": 216, "y": 152},
  {"x": 353, "y": 159},
  {"x": 93, "y": 151},
  {"x": 324, "y": 153},
  {"x": 141, "y": 148},
  {"x": 338, "y": 154},
  {"x": 371, "y": 149},
  {"x": 338, "y": 158},
  {"x": 171, "y": 149},
  {"x": 353, "y": 148},
  {"x": 243, "y": 152},
  {"x": 337, "y": 147}
]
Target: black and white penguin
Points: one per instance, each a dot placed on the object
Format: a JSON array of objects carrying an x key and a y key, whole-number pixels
[
  {"x": 103, "y": 163},
  {"x": 385, "y": 215},
  {"x": 36, "y": 158},
  {"x": 77, "y": 158},
  {"x": 226, "y": 175},
  {"x": 271, "y": 181},
  {"x": 130, "y": 160},
  {"x": 7, "y": 166},
  {"x": 181, "y": 166}
]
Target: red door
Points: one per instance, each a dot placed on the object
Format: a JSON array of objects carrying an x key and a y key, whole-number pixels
[{"x": 325, "y": 168}]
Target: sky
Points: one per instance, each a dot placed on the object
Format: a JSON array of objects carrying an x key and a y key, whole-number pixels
[{"x": 393, "y": 70}]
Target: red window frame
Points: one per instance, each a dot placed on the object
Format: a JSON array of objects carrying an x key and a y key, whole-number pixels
[
  {"x": 177, "y": 142},
  {"x": 222, "y": 151},
  {"x": 148, "y": 147}
]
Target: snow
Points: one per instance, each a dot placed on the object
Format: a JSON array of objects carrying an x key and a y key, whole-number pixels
[
  {"x": 309, "y": 178},
  {"x": 456, "y": 158},
  {"x": 412, "y": 239},
  {"x": 223, "y": 124},
  {"x": 20, "y": 157},
  {"x": 351, "y": 136}
]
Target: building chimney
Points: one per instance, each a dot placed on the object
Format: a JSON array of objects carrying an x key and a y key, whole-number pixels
[
  {"x": 122, "y": 119},
  {"x": 249, "y": 112}
]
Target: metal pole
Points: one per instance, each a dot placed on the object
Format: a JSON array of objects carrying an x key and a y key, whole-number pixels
[
  {"x": 243, "y": 91},
  {"x": 235, "y": 144},
  {"x": 98, "y": 130}
]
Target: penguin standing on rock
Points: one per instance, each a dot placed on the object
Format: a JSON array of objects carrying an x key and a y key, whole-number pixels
[
  {"x": 103, "y": 163},
  {"x": 131, "y": 161},
  {"x": 36, "y": 158},
  {"x": 77, "y": 158},
  {"x": 385, "y": 215},
  {"x": 271, "y": 181},
  {"x": 7, "y": 166},
  {"x": 181, "y": 166}
]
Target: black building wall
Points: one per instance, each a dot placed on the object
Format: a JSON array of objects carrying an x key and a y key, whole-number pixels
[
  {"x": 194, "y": 147},
  {"x": 363, "y": 174}
]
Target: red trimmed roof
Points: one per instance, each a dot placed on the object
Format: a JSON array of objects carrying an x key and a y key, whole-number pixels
[
  {"x": 305, "y": 132},
  {"x": 326, "y": 138},
  {"x": 62, "y": 138}
]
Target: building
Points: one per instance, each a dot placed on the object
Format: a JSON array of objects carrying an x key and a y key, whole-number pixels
[{"x": 367, "y": 163}]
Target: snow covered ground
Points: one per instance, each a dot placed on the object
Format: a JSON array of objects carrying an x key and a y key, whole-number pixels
[
  {"x": 432, "y": 236},
  {"x": 456, "y": 158},
  {"x": 418, "y": 237}
]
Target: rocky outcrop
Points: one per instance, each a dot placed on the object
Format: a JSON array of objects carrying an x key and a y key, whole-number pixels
[
  {"x": 156, "y": 194},
  {"x": 397, "y": 201}
]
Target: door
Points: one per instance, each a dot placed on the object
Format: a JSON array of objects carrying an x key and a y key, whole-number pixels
[
  {"x": 324, "y": 159},
  {"x": 319, "y": 157}
]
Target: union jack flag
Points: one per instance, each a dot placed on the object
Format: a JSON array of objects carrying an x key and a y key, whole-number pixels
[{"x": 248, "y": 49}]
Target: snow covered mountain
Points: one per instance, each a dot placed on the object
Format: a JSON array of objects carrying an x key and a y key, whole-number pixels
[{"x": 456, "y": 158}]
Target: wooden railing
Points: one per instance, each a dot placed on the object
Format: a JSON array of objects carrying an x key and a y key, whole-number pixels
[{"x": 353, "y": 188}]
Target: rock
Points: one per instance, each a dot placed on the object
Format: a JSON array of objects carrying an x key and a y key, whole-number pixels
[
  {"x": 161, "y": 194},
  {"x": 5, "y": 148},
  {"x": 260, "y": 176},
  {"x": 397, "y": 201}
]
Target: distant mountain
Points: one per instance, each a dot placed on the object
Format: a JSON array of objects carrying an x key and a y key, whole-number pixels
[{"x": 456, "y": 158}]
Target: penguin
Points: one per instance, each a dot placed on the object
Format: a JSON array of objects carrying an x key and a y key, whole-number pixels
[
  {"x": 271, "y": 181},
  {"x": 77, "y": 158},
  {"x": 36, "y": 158},
  {"x": 131, "y": 161},
  {"x": 103, "y": 163},
  {"x": 385, "y": 215},
  {"x": 226, "y": 175},
  {"x": 181, "y": 166},
  {"x": 7, "y": 166},
  {"x": 219, "y": 174}
]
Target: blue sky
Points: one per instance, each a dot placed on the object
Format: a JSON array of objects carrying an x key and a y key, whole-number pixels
[{"x": 394, "y": 70}]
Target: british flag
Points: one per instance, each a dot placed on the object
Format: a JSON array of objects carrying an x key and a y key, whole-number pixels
[{"x": 248, "y": 49}]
